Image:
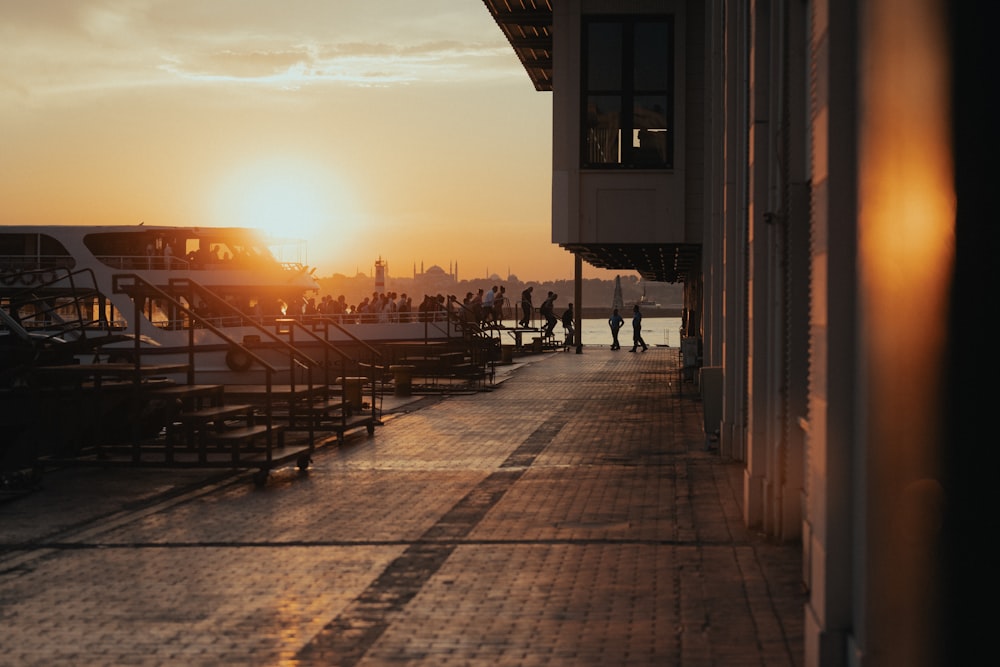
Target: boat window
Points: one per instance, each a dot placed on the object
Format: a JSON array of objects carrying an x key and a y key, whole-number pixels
[
  {"x": 124, "y": 250},
  {"x": 226, "y": 251},
  {"x": 177, "y": 248},
  {"x": 20, "y": 252}
]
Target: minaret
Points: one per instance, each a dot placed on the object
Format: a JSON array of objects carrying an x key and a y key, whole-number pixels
[{"x": 380, "y": 268}]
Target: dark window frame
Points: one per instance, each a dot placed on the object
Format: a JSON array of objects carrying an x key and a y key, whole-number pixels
[{"x": 615, "y": 150}]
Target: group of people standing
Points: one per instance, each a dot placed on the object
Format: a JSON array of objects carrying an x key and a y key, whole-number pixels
[
  {"x": 616, "y": 322},
  {"x": 379, "y": 307}
]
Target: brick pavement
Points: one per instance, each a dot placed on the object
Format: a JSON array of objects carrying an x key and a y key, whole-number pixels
[{"x": 571, "y": 516}]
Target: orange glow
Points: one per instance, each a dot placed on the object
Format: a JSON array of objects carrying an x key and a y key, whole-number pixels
[
  {"x": 393, "y": 134},
  {"x": 906, "y": 253},
  {"x": 287, "y": 197},
  {"x": 907, "y": 199}
]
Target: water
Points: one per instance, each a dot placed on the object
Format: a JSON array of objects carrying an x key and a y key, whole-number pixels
[{"x": 656, "y": 331}]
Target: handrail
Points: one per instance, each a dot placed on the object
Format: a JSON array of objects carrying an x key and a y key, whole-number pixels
[
  {"x": 73, "y": 289},
  {"x": 117, "y": 288},
  {"x": 328, "y": 345},
  {"x": 244, "y": 319},
  {"x": 269, "y": 370},
  {"x": 470, "y": 323},
  {"x": 149, "y": 262},
  {"x": 319, "y": 339},
  {"x": 44, "y": 278},
  {"x": 15, "y": 326},
  {"x": 325, "y": 319}
]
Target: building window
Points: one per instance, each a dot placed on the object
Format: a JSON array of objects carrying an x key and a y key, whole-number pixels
[{"x": 627, "y": 90}]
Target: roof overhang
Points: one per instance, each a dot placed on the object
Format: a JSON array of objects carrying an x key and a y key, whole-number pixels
[
  {"x": 669, "y": 263},
  {"x": 527, "y": 24}
]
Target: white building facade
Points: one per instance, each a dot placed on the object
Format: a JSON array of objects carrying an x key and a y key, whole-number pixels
[{"x": 763, "y": 154}]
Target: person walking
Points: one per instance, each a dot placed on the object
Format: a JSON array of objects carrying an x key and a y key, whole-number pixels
[
  {"x": 498, "y": 304},
  {"x": 489, "y": 300},
  {"x": 616, "y": 322},
  {"x": 568, "y": 326},
  {"x": 526, "y": 307},
  {"x": 548, "y": 311},
  {"x": 637, "y": 330}
]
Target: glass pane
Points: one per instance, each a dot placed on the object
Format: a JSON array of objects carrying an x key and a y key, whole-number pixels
[
  {"x": 604, "y": 56},
  {"x": 603, "y": 129},
  {"x": 652, "y": 55},
  {"x": 649, "y": 134}
]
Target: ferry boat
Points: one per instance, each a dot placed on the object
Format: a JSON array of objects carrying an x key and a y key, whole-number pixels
[
  {"x": 114, "y": 291},
  {"x": 644, "y": 302}
]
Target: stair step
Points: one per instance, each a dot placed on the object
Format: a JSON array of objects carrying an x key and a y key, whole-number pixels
[
  {"x": 245, "y": 433},
  {"x": 215, "y": 413}
]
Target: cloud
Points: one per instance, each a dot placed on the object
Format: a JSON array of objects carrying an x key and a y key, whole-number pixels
[
  {"x": 61, "y": 47},
  {"x": 352, "y": 63}
]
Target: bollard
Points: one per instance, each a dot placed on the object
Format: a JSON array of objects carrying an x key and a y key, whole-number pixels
[
  {"x": 402, "y": 376},
  {"x": 352, "y": 391},
  {"x": 507, "y": 354}
]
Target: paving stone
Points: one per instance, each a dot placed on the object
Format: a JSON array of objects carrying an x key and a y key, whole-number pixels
[{"x": 570, "y": 516}]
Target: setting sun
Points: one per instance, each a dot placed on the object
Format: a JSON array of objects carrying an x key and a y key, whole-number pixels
[
  {"x": 282, "y": 197},
  {"x": 288, "y": 198},
  {"x": 365, "y": 138}
]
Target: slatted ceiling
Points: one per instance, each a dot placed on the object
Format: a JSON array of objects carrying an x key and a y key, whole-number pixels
[
  {"x": 670, "y": 263},
  {"x": 527, "y": 25}
]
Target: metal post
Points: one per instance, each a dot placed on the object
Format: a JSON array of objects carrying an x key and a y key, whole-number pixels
[{"x": 578, "y": 298}]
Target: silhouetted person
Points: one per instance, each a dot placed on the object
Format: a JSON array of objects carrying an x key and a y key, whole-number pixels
[
  {"x": 526, "y": 308},
  {"x": 616, "y": 322},
  {"x": 568, "y": 325},
  {"x": 548, "y": 311},
  {"x": 498, "y": 303},
  {"x": 637, "y": 330}
]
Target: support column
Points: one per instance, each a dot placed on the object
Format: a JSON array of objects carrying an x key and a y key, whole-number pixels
[{"x": 578, "y": 299}]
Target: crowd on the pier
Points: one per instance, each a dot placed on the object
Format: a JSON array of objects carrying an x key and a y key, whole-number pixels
[
  {"x": 487, "y": 308},
  {"x": 382, "y": 307}
]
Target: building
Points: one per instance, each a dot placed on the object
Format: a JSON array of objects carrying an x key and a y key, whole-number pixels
[{"x": 796, "y": 166}]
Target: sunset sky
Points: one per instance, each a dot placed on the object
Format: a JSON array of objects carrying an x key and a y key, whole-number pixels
[{"x": 406, "y": 130}]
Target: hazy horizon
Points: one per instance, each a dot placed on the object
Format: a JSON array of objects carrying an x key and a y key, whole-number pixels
[{"x": 386, "y": 128}]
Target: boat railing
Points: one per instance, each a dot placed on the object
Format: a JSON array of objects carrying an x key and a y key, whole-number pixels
[
  {"x": 144, "y": 262},
  {"x": 385, "y": 318},
  {"x": 188, "y": 262},
  {"x": 11, "y": 264}
]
